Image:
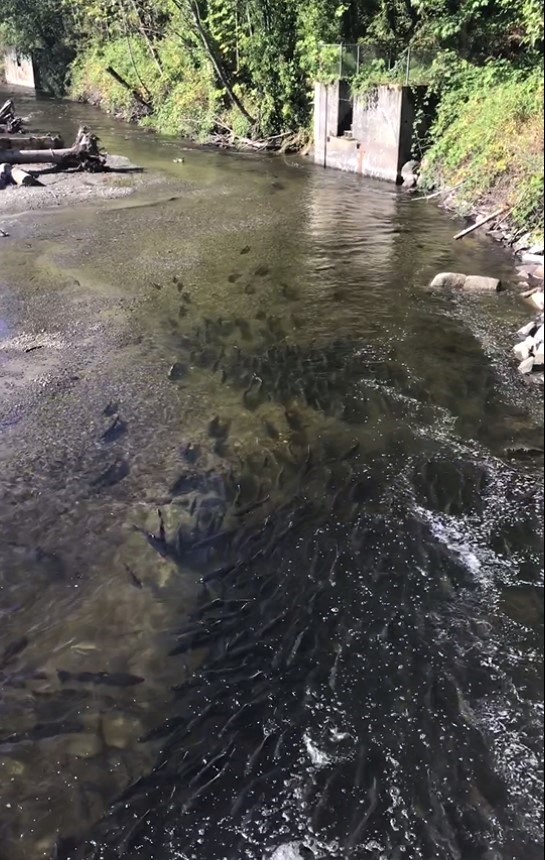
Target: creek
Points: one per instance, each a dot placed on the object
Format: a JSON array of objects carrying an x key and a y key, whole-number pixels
[{"x": 246, "y": 453}]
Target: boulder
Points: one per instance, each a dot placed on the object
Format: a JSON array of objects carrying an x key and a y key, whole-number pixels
[
  {"x": 409, "y": 174},
  {"x": 524, "y": 349},
  {"x": 538, "y": 357},
  {"x": 532, "y": 259},
  {"x": 449, "y": 279},
  {"x": 527, "y": 365},
  {"x": 489, "y": 285},
  {"x": 536, "y": 250},
  {"x": 527, "y": 329},
  {"x": 537, "y": 300},
  {"x": 539, "y": 336},
  {"x": 539, "y": 273}
]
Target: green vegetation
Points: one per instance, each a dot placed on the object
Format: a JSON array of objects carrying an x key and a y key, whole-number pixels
[{"x": 197, "y": 66}]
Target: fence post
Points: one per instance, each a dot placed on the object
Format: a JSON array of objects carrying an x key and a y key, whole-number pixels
[{"x": 408, "y": 75}]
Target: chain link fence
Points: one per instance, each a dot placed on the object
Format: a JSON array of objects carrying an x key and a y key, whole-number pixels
[{"x": 346, "y": 61}]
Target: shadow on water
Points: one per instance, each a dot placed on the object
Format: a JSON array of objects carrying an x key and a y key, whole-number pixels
[{"x": 355, "y": 518}]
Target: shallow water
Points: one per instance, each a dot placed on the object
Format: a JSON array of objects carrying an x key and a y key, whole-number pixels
[{"x": 243, "y": 377}]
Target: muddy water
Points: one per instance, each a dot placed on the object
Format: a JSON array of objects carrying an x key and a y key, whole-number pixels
[{"x": 242, "y": 378}]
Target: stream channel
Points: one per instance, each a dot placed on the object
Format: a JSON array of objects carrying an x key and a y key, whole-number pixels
[{"x": 270, "y": 522}]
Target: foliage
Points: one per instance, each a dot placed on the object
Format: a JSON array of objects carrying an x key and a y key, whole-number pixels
[{"x": 488, "y": 138}]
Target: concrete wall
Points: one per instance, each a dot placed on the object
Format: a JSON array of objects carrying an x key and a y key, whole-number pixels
[
  {"x": 382, "y": 130},
  {"x": 19, "y": 70}
]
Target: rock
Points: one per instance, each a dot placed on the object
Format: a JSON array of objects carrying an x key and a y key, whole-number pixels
[
  {"x": 539, "y": 354},
  {"x": 539, "y": 273},
  {"x": 527, "y": 329},
  {"x": 532, "y": 259},
  {"x": 523, "y": 350},
  {"x": 119, "y": 731},
  {"x": 449, "y": 279},
  {"x": 84, "y": 746},
  {"x": 522, "y": 244},
  {"x": 539, "y": 335},
  {"x": 537, "y": 300},
  {"x": 475, "y": 282},
  {"x": 177, "y": 371},
  {"x": 527, "y": 365},
  {"x": 409, "y": 174},
  {"x": 536, "y": 250}
]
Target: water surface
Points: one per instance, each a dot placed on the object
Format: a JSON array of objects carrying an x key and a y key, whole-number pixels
[{"x": 243, "y": 378}]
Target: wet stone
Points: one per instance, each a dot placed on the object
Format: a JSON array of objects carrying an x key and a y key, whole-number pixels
[{"x": 177, "y": 372}]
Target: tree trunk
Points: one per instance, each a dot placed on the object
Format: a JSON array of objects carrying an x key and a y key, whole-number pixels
[
  {"x": 19, "y": 141},
  {"x": 214, "y": 59},
  {"x": 135, "y": 94}
]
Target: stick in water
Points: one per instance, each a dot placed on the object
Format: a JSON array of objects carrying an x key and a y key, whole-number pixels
[{"x": 480, "y": 223}]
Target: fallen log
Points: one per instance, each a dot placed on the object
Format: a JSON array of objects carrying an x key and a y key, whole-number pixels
[
  {"x": 85, "y": 153},
  {"x": 21, "y": 177},
  {"x": 31, "y": 142},
  {"x": 7, "y": 111},
  {"x": 13, "y": 126}
]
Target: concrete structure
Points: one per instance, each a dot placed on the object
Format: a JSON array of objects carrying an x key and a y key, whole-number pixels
[
  {"x": 19, "y": 70},
  {"x": 372, "y": 134}
]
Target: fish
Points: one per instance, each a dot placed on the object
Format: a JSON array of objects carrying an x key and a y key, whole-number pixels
[
  {"x": 133, "y": 577},
  {"x": 234, "y": 277},
  {"x": 219, "y": 428},
  {"x": 108, "y": 679},
  {"x": 262, "y": 271},
  {"x": 44, "y": 731},
  {"x": 245, "y": 250},
  {"x": 116, "y": 429},
  {"x": 113, "y": 475},
  {"x": 13, "y": 650}
]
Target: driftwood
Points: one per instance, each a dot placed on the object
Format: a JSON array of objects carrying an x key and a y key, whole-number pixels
[
  {"x": 21, "y": 177},
  {"x": 31, "y": 142},
  {"x": 9, "y": 122},
  {"x": 85, "y": 153},
  {"x": 480, "y": 223},
  {"x": 7, "y": 111}
]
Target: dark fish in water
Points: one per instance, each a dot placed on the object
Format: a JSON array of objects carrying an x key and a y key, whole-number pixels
[
  {"x": 43, "y": 731},
  {"x": 110, "y": 409},
  {"x": 133, "y": 577},
  {"x": 234, "y": 277},
  {"x": 262, "y": 271},
  {"x": 108, "y": 679},
  {"x": 278, "y": 186},
  {"x": 177, "y": 371},
  {"x": 271, "y": 430},
  {"x": 34, "y": 348},
  {"x": 245, "y": 250},
  {"x": 182, "y": 311},
  {"x": 156, "y": 285},
  {"x": 13, "y": 650},
  {"x": 219, "y": 428},
  {"x": 191, "y": 453},
  {"x": 116, "y": 429},
  {"x": 112, "y": 475},
  {"x": 250, "y": 290}
]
